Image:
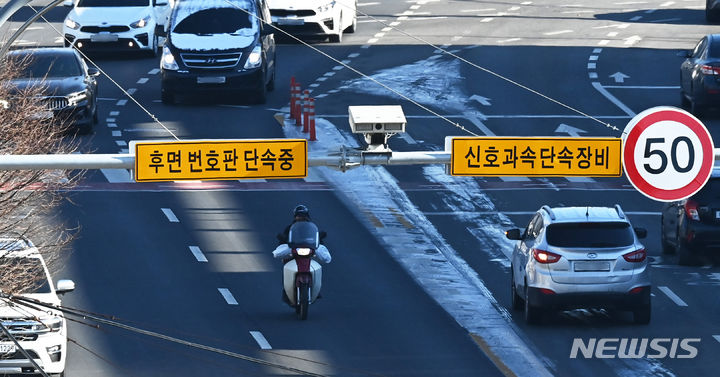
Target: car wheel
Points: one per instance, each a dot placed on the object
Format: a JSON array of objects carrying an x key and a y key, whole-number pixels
[
  {"x": 353, "y": 27},
  {"x": 667, "y": 248},
  {"x": 685, "y": 255},
  {"x": 86, "y": 128},
  {"x": 684, "y": 102},
  {"x": 533, "y": 314},
  {"x": 271, "y": 84},
  {"x": 167, "y": 97},
  {"x": 337, "y": 38},
  {"x": 261, "y": 94},
  {"x": 517, "y": 301},
  {"x": 695, "y": 108},
  {"x": 154, "y": 49}
]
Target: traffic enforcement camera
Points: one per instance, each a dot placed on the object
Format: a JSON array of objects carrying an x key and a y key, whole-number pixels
[{"x": 377, "y": 124}]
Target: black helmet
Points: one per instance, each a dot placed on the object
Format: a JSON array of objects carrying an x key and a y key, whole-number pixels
[{"x": 301, "y": 210}]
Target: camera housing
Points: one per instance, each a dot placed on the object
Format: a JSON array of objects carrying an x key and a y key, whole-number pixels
[{"x": 377, "y": 124}]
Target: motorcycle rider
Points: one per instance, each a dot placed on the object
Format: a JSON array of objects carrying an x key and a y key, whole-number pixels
[{"x": 300, "y": 213}]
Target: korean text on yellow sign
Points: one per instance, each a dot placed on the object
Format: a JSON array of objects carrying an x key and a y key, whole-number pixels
[
  {"x": 220, "y": 159},
  {"x": 533, "y": 156}
]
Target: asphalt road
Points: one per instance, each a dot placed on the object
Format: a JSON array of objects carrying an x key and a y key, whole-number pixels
[{"x": 603, "y": 62}]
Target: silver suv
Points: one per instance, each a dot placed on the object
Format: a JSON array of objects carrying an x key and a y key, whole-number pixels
[{"x": 579, "y": 257}]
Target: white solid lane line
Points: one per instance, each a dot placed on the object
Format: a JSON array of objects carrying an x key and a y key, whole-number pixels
[
  {"x": 677, "y": 300},
  {"x": 260, "y": 339},
  {"x": 227, "y": 296},
  {"x": 170, "y": 215},
  {"x": 195, "y": 250}
]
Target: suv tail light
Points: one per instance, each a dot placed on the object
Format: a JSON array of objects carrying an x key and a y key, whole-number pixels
[
  {"x": 636, "y": 256},
  {"x": 545, "y": 257},
  {"x": 691, "y": 210},
  {"x": 709, "y": 70}
]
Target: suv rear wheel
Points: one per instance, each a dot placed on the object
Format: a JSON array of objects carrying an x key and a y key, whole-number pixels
[
  {"x": 533, "y": 314},
  {"x": 167, "y": 97},
  {"x": 517, "y": 301}
]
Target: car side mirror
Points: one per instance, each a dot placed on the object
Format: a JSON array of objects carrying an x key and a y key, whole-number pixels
[
  {"x": 94, "y": 72},
  {"x": 68, "y": 3},
  {"x": 641, "y": 232},
  {"x": 513, "y": 234},
  {"x": 266, "y": 30},
  {"x": 64, "y": 286}
]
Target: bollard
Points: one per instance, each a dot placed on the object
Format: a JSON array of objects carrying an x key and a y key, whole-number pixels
[
  {"x": 306, "y": 105},
  {"x": 293, "y": 97},
  {"x": 311, "y": 118},
  {"x": 298, "y": 104}
]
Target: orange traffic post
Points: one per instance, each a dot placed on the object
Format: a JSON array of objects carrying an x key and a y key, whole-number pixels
[
  {"x": 306, "y": 105},
  {"x": 293, "y": 97},
  {"x": 298, "y": 104},
  {"x": 311, "y": 118}
]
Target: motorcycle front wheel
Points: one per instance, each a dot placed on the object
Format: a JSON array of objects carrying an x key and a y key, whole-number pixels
[{"x": 303, "y": 301}]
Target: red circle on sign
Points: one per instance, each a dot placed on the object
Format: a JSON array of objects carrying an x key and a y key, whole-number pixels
[{"x": 675, "y": 115}]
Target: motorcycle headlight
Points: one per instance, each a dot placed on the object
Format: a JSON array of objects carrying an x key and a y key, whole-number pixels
[
  {"x": 303, "y": 251},
  {"x": 77, "y": 97},
  {"x": 255, "y": 58},
  {"x": 140, "y": 23},
  {"x": 168, "y": 60},
  {"x": 69, "y": 22},
  {"x": 326, "y": 7}
]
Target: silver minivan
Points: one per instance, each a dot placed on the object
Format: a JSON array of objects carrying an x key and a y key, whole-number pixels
[{"x": 579, "y": 257}]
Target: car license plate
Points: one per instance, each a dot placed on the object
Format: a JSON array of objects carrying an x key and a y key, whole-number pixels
[
  {"x": 7, "y": 348},
  {"x": 104, "y": 37},
  {"x": 211, "y": 80},
  {"x": 45, "y": 114},
  {"x": 592, "y": 266},
  {"x": 291, "y": 21},
  {"x": 717, "y": 214}
]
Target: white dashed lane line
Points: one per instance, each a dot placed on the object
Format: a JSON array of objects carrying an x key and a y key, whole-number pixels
[
  {"x": 677, "y": 300},
  {"x": 154, "y": 71},
  {"x": 260, "y": 339},
  {"x": 195, "y": 250},
  {"x": 227, "y": 296},
  {"x": 170, "y": 215},
  {"x": 114, "y": 114},
  {"x": 717, "y": 337},
  {"x": 122, "y": 102},
  {"x": 143, "y": 80},
  {"x": 121, "y": 143},
  {"x": 117, "y": 134}
]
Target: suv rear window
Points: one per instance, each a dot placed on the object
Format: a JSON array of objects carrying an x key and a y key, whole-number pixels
[
  {"x": 214, "y": 21},
  {"x": 710, "y": 193},
  {"x": 588, "y": 234}
]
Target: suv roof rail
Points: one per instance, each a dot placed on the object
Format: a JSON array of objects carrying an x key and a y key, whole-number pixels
[
  {"x": 549, "y": 210},
  {"x": 619, "y": 211}
]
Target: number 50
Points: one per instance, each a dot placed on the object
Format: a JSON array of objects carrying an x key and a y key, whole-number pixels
[{"x": 649, "y": 152}]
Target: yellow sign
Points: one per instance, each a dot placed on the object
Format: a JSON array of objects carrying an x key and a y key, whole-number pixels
[
  {"x": 219, "y": 159},
  {"x": 536, "y": 156}
]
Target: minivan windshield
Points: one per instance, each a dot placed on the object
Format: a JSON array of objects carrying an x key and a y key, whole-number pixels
[
  {"x": 214, "y": 21},
  {"x": 113, "y": 3},
  {"x": 590, "y": 234}
]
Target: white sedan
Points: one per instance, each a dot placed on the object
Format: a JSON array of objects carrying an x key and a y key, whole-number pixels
[{"x": 315, "y": 17}]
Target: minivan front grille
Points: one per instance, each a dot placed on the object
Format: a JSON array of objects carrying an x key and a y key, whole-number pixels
[{"x": 212, "y": 61}]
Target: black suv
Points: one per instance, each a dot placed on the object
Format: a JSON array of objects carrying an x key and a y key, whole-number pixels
[
  {"x": 218, "y": 46},
  {"x": 692, "y": 226}
]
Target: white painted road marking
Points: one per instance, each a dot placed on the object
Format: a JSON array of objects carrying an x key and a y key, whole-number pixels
[
  {"x": 116, "y": 175},
  {"x": 154, "y": 71},
  {"x": 198, "y": 253},
  {"x": 122, "y": 102},
  {"x": 260, "y": 339},
  {"x": 170, "y": 215},
  {"x": 143, "y": 80},
  {"x": 677, "y": 300},
  {"x": 717, "y": 337},
  {"x": 227, "y": 296}
]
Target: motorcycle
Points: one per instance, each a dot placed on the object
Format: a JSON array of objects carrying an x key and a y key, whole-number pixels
[{"x": 302, "y": 275}]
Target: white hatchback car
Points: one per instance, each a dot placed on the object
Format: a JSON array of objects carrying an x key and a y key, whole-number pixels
[
  {"x": 315, "y": 17},
  {"x": 113, "y": 25},
  {"x": 42, "y": 333}
]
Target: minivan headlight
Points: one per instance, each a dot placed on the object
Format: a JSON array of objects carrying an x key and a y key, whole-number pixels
[
  {"x": 140, "y": 23},
  {"x": 69, "y": 22},
  {"x": 255, "y": 58},
  {"x": 168, "y": 60},
  {"x": 53, "y": 323}
]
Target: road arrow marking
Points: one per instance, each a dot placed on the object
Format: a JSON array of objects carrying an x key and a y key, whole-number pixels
[
  {"x": 570, "y": 130},
  {"x": 619, "y": 76},
  {"x": 483, "y": 100}
]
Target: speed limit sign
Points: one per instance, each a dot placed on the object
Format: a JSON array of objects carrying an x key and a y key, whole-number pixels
[{"x": 668, "y": 154}]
